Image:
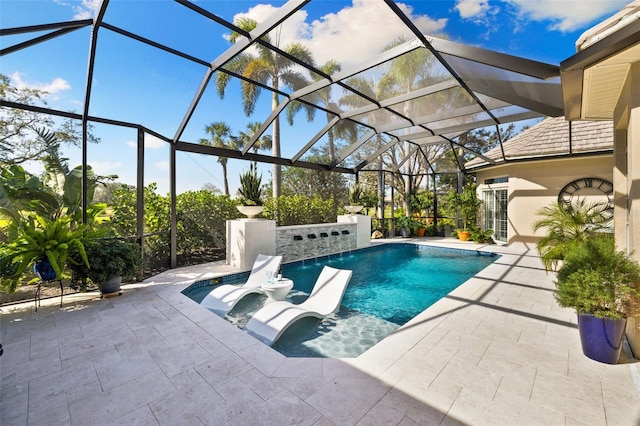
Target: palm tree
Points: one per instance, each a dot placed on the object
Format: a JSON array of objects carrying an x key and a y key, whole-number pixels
[
  {"x": 342, "y": 129},
  {"x": 407, "y": 73},
  {"x": 376, "y": 91},
  {"x": 220, "y": 138},
  {"x": 268, "y": 68},
  {"x": 568, "y": 224},
  {"x": 264, "y": 142}
]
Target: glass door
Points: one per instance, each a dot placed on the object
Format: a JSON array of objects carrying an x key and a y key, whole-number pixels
[{"x": 495, "y": 213}]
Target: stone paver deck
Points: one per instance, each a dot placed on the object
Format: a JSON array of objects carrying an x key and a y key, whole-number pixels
[{"x": 496, "y": 351}]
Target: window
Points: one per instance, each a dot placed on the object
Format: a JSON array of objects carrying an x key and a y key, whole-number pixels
[{"x": 491, "y": 181}]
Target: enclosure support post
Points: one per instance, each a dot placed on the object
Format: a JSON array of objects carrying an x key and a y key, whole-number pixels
[
  {"x": 172, "y": 206},
  {"x": 140, "y": 195}
]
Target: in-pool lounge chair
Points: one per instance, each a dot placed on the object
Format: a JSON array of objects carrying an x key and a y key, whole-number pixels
[
  {"x": 223, "y": 298},
  {"x": 273, "y": 319}
]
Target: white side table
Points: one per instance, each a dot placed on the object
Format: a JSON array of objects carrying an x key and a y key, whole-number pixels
[{"x": 278, "y": 290}]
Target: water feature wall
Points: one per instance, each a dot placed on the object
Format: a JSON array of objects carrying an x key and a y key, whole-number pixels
[
  {"x": 248, "y": 237},
  {"x": 309, "y": 241}
]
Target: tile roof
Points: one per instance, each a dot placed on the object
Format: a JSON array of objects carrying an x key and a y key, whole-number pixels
[{"x": 550, "y": 137}]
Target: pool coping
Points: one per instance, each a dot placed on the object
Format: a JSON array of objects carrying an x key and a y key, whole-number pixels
[{"x": 495, "y": 349}]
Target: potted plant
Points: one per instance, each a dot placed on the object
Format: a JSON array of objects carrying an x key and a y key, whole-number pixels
[
  {"x": 465, "y": 204},
  {"x": 446, "y": 227},
  {"x": 482, "y": 237},
  {"x": 43, "y": 243},
  {"x": 110, "y": 259},
  {"x": 406, "y": 225},
  {"x": 251, "y": 193},
  {"x": 598, "y": 282},
  {"x": 355, "y": 202}
]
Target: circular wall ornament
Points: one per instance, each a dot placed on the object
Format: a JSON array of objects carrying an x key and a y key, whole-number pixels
[{"x": 591, "y": 186}]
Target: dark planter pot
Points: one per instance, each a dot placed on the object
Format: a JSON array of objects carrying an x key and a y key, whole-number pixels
[
  {"x": 44, "y": 270},
  {"x": 111, "y": 286},
  {"x": 406, "y": 233},
  {"x": 601, "y": 337}
]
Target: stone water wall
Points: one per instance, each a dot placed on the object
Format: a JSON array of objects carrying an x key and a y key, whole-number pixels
[
  {"x": 295, "y": 242},
  {"x": 246, "y": 238}
]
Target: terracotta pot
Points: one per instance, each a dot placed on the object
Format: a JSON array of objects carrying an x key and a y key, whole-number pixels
[
  {"x": 420, "y": 232},
  {"x": 464, "y": 235}
]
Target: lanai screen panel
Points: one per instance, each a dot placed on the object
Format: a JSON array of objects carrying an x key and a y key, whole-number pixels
[{"x": 396, "y": 76}]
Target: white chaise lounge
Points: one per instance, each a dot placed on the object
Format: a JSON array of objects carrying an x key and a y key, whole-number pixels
[
  {"x": 273, "y": 319},
  {"x": 223, "y": 298}
]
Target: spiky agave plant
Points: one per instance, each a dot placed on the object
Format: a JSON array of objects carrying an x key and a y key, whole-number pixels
[{"x": 250, "y": 187}]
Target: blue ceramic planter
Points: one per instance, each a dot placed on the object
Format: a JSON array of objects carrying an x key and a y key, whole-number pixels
[
  {"x": 44, "y": 270},
  {"x": 601, "y": 338}
]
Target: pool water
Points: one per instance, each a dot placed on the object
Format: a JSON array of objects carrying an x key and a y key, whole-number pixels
[{"x": 391, "y": 284}]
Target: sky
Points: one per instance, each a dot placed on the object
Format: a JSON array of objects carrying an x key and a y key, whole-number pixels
[{"x": 140, "y": 84}]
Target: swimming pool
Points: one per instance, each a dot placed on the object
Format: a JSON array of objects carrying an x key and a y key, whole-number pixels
[{"x": 391, "y": 284}]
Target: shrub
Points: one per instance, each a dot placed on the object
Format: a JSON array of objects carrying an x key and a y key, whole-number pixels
[{"x": 596, "y": 279}]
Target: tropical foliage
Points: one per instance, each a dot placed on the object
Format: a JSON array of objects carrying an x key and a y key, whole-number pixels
[
  {"x": 464, "y": 204},
  {"x": 27, "y": 135},
  {"x": 220, "y": 137},
  {"x": 271, "y": 69},
  {"x": 596, "y": 279},
  {"x": 39, "y": 238},
  {"x": 300, "y": 210},
  {"x": 420, "y": 200},
  {"x": 567, "y": 224},
  {"x": 110, "y": 257}
]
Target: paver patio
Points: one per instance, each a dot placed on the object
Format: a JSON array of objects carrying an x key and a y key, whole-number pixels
[{"x": 496, "y": 351}]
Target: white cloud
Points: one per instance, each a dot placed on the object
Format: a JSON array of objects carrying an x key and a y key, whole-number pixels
[
  {"x": 153, "y": 142},
  {"x": 162, "y": 166},
  {"x": 325, "y": 37},
  {"x": 105, "y": 167},
  {"x": 472, "y": 8},
  {"x": 479, "y": 12},
  {"x": 150, "y": 142},
  {"x": 87, "y": 9},
  {"x": 566, "y": 15},
  {"x": 55, "y": 86}
]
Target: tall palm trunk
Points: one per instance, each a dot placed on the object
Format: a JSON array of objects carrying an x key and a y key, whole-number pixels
[
  {"x": 332, "y": 148},
  {"x": 224, "y": 175},
  {"x": 277, "y": 169}
]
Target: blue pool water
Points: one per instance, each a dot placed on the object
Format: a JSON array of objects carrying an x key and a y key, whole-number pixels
[{"x": 391, "y": 284}]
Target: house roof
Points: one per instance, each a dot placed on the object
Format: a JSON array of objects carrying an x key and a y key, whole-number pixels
[{"x": 554, "y": 136}]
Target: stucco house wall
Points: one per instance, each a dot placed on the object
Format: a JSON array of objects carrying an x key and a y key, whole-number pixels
[
  {"x": 533, "y": 185},
  {"x": 539, "y": 163}
]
